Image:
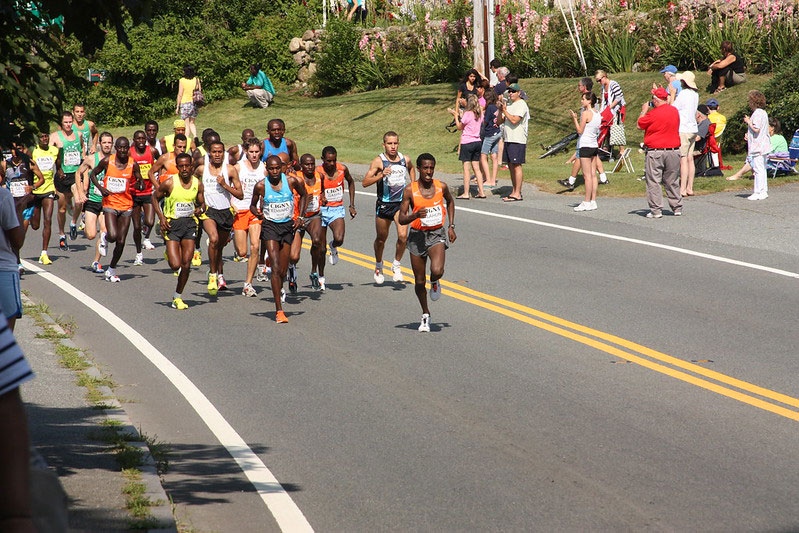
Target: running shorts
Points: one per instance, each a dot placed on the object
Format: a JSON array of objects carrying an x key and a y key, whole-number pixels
[
  {"x": 329, "y": 214},
  {"x": 37, "y": 198},
  {"x": 93, "y": 207},
  {"x": 387, "y": 210},
  {"x": 222, "y": 217},
  {"x": 588, "y": 152},
  {"x": 244, "y": 219},
  {"x": 142, "y": 200},
  {"x": 117, "y": 212},
  {"x": 64, "y": 186},
  {"x": 282, "y": 232},
  {"x": 182, "y": 229},
  {"x": 10, "y": 294},
  {"x": 420, "y": 241}
]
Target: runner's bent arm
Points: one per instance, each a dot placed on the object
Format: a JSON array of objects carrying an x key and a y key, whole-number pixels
[
  {"x": 36, "y": 172},
  {"x": 299, "y": 188},
  {"x": 255, "y": 204},
  {"x": 85, "y": 167},
  {"x": 450, "y": 211},
  {"x": 411, "y": 169},
  {"x": 375, "y": 172},
  {"x": 137, "y": 175},
  {"x": 405, "y": 216},
  {"x": 100, "y": 167},
  {"x": 200, "y": 204},
  {"x": 295, "y": 159},
  {"x": 162, "y": 190},
  {"x": 351, "y": 189},
  {"x": 95, "y": 134},
  {"x": 236, "y": 189},
  {"x": 152, "y": 174}
]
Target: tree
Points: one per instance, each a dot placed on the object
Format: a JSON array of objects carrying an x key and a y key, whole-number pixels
[{"x": 35, "y": 59}]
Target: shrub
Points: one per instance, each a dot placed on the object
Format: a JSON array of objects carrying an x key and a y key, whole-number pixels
[{"x": 337, "y": 63}]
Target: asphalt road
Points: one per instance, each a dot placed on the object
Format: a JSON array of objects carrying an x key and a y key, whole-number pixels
[{"x": 560, "y": 396}]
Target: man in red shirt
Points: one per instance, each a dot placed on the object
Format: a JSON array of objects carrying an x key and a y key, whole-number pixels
[{"x": 661, "y": 124}]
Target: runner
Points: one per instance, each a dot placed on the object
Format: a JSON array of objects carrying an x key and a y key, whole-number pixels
[
  {"x": 46, "y": 157},
  {"x": 220, "y": 181},
  {"x": 168, "y": 141},
  {"x": 86, "y": 129},
  {"x": 238, "y": 153},
  {"x": 246, "y": 226},
  {"x": 333, "y": 175},
  {"x": 93, "y": 207},
  {"x": 143, "y": 214},
  {"x": 69, "y": 159},
  {"x": 313, "y": 224},
  {"x": 120, "y": 173},
  {"x": 165, "y": 167},
  {"x": 427, "y": 198},
  {"x": 151, "y": 130},
  {"x": 274, "y": 204},
  {"x": 277, "y": 144},
  {"x": 392, "y": 172},
  {"x": 183, "y": 203},
  {"x": 199, "y": 156},
  {"x": 22, "y": 176}
]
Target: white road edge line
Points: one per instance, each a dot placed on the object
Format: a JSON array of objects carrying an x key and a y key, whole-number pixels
[
  {"x": 685, "y": 251},
  {"x": 286, "y": 513}
]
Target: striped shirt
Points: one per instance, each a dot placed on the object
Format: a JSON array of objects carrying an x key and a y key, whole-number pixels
[
  {"x": 611, "y": 94},
  {"x": 14, "y": 369}
]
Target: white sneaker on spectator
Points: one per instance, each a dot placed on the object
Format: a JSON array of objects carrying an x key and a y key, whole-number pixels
[{"x": 583, "y": 206}]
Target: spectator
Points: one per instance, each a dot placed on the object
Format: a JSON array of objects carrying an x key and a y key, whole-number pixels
[
  {"x": 356, "y": 8},
  {"x": 15, "y": 506},
  {"x": 470, "y": 145},
  {"x": 702, "y": 128},
  {"x": 715, "y": 117},
  {"x": 482, "y": 88},
  {"x": 516, "y": 116},
  {"x": 588, "y": 128},
  {"x": 492, "y": 135},
  {"x": 612, "y": 98},
  {"x": 686, "y": 103},
  {"x": 11, "y": 239},
  {"x": 511, "y": 79},
  {"x": 501, "y": 86},
  {"x": 259, "y": 88},
  {"x": 728, "y": 71},
  {"x": 493, "y": 66},
  {"x": 185, "y": 107},
  {"x": 673, "y": 85},
  {"x": 758, "y": 144},
  {"x": 584, "y": 86},
  {"x": 779, "y": 147},
  {"x": 468, "y": 86},
  {"x": 661, "y": 124}
]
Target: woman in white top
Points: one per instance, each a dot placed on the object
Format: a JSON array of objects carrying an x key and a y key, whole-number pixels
[
  {"x": 686, "y": 103},
  {"x": 758, "y": 143},
  {"x": 588, "y": 129}
]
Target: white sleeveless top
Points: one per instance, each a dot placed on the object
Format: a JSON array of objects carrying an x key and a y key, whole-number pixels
[
  {"x": 248, "y": 178},
  {"x": 215, "y": 196},
  {"x": 591, "y": 132}
]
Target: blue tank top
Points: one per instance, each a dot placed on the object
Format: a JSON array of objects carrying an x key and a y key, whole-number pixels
[
  {"x": 391, "y": 187},
  {"x": 271, "y": 150},
  {"x": 677, "y": 85},
  {"x": 278, "y": 206}
]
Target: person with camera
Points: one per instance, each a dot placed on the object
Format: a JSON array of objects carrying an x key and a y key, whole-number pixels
[{"x": 661, "y": 124}]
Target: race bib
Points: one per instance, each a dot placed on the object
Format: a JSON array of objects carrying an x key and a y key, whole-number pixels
[
  {"x": 184, "y": 209},
  {"x": 45, "y": 163},
  {"x": 72, "y": 158},
  {"x": 433, "y": 217},
  {"x": 145, "y": 168},
  {"x": 18, "y": 188},
  {"x": 279, "y": 211},
  {"x": 336, "y": 194},
  {"x": 313, "y": 204},
  {"x": 212, "y": 185},
  {"x": 117, "y": 185},
  {"x": 397, "y": 176}
]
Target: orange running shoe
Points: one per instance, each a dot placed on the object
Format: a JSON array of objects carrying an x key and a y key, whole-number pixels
[{"x": 280, "y": 318}]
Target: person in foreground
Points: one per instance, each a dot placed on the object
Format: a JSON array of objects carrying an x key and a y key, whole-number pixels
[
  {"x": 426, "y": 205},
  {"x": 661, "y": 124},
  {"x": 758, "y": 143}
]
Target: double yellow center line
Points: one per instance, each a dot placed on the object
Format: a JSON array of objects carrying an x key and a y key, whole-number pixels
[{"x": 688, "y": 372}]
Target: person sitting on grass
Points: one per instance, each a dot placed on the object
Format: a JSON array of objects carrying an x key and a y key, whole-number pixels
[
  {"x": 728, "y": 71},
  {"x": 779, "y": 148},
  {"x": 259, "y": 88}
]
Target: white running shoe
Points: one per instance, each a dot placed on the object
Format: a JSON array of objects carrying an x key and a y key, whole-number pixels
[
  {"x": 379, "y": 278},
  {"x": 758, "y": 196},
  {"x": 397, "y": 270},
  {"x": 322, "y": 286},
  {"x": 102, "y": 247},
  {"x": 591, "y": 205},
  {"x": 583, "y": 206},
  {"x": 424, "y": 327},
  {"x": 261, "y": 275},
  {"x": 139, "y": 261},
  {"x": 113, "y": 278},
  {"x": 333, "y": 254},
  {"x": 148, "y": 245},
  {"x": 249, "y": 290},
  {"x": 435, "y": 290}
]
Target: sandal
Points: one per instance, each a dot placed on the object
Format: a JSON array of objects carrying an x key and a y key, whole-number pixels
[
  {"x": 512, "y": 199},
  {"x": 717, "y": 91},
  {"x": 462, "y": 197},
  {"x": 480, "y": 197}
]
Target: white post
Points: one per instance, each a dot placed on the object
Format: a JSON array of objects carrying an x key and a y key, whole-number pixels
[
  {"x": 477, "y": 34},
  {"x": 324, "y": 13},
  {"x": 491, "y": 8}
]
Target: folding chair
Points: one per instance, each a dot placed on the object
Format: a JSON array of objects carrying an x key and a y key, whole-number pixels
[{"x": 624, "y": 159}]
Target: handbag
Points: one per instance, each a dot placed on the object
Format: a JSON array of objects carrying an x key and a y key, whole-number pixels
[
  {"x": 617, "y": 136},
  {"x": 197, "y": 95}
]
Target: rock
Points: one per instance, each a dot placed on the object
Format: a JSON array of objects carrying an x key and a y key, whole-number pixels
[
  {"x": 308, "y": 45},
  {"x": 303, "y": 75},
  {"x": 636, "y": 67},
  {"x": 317, "y": 34},
  {"x": 311, "y": 69},
  {"x": 295, "y": 45},
  {"x": 414, "y": 83},
  {"x": 300, "y": 57},
  {"x": 308, "y": 35}
]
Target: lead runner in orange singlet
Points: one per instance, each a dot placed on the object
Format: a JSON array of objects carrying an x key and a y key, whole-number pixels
[
  {"x": 431, "y": 205},
  {"x": 122, "y": 176}
]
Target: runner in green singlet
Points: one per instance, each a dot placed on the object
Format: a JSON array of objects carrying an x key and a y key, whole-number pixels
[
  {"x": 69, "y": 159},
  {"x": 93, "y": 207},
  {"x": 86, "y": 129}
]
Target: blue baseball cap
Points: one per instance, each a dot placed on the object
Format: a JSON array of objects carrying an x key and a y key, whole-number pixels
[
  {"x": 669, "y": 68},
  {"x": 712, "y": 102}
]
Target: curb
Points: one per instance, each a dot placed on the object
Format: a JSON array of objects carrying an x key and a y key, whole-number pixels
[{"x": 161, "y": 508}]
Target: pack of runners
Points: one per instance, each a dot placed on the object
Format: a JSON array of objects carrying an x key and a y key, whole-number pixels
[{"x": 258, "y": 193}]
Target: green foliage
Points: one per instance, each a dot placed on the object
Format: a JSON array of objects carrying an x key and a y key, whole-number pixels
[
  {"x": 782, "y": 102},
  {"x": 267, "y": 43},
  {"x": 337, "y": 63},
  {"x": 616, "y": 52}
]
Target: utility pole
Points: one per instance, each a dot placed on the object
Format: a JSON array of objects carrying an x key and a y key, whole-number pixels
[{"x": 483, "y": 34}]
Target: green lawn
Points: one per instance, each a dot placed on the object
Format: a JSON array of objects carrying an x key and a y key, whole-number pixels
[{"x": 354, "y": 124}]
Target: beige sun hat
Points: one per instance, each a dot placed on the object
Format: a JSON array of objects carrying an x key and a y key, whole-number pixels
[{"x": 689, "y": 78}]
